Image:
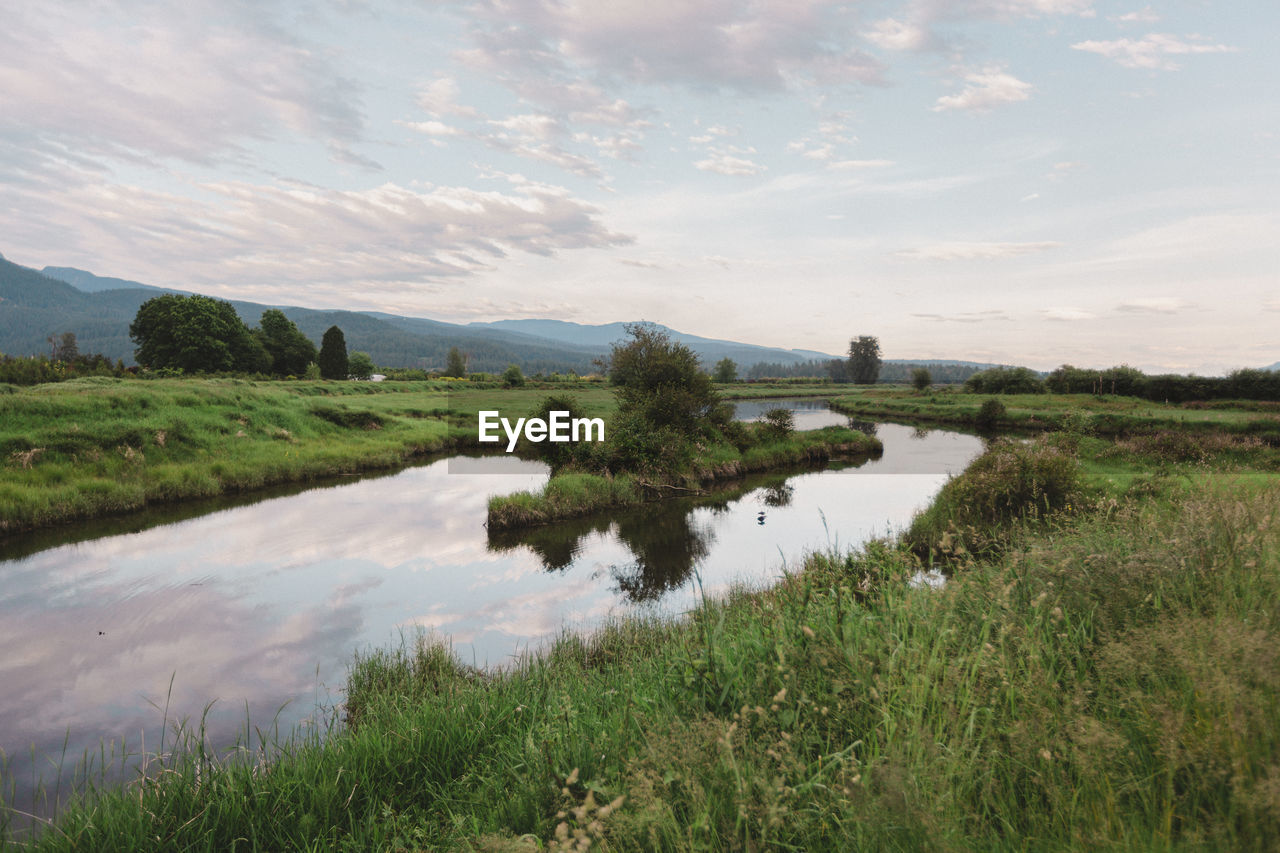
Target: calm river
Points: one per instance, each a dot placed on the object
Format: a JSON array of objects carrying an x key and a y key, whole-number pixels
[{"x": 259, "y": 607}]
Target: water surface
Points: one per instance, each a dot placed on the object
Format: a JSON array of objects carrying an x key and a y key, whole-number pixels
[{"x": 260, "y": 606}]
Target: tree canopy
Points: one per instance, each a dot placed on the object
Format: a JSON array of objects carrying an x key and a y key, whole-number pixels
[
  {"x": 290, "y": 350},
  {"x": 660, "y": 380},
  {"x": 195, "y": 334},
  {"x": 864, "y": 360},
  {"x": 360, "y": 365},
  {"x": 457, "y": 365}
]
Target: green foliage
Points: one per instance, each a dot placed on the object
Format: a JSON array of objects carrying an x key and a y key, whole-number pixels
[
  {"x": 559, "y": 454},
  {"x": 290, "y": 350},
  {"x": 312, "y": 372},
  {"x": 991, "y": 413},
  {"x": 195, "y": 334},
  {"x": 360, "y": 365},
  {"x": 512, "y": 377},
  {"x": 1011, "y": 480},
  {"x": 1246, "y": 384},
  {"x": 40, "y": 369},
  {"x": 864, "y": 360},
  {"x": 726, "y": 371},
  {"x": 457, "y": 365},
  {"x": 921, "y": 379},
  {"x": 778, "y": 424},
  {"x": 333, "y": 359},
  {"x": 1005, "y": 380},
  {"x": 660, "y": 381}
]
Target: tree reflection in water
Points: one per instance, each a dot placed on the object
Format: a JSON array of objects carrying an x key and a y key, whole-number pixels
[
  {"x": 865, "y": 427},
  {"x": 663, "y": 537}
]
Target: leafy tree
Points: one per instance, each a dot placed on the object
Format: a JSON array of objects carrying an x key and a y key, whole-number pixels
[
  {"x": 660, "y": 380},
  {"x": 64, "y": 347},
  {"x": 312, "y": 371},
  {"x": 726, "y": 371},
  {"x": 457, "y": 364},
  {"x": 864, "y": 360},
  {"x": 195, "y": 334},
  {"x": 360, "y": 365},
  {"x": 512, "y": 377},
  {"x": 921, "y": 378},
  {"x": 779, "y": 423},
  {"x": 290, "y": 350},
  {"x": 333, "y": 354}
]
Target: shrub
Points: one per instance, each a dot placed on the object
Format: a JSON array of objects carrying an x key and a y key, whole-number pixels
[
  {"x": 778, "y": 424},
  {"x": 991, "y": 413},
  {"x": 512, "y": 377},
  {"x": 1011, "y": 480}
]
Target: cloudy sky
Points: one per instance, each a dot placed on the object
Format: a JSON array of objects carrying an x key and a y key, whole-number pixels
[{"x": 1028, "y": 181}]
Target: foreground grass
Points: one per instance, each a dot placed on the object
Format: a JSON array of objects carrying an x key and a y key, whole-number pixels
[
  {"x": 1110, "y": 682},
  {"x": 576, "y": 494}
]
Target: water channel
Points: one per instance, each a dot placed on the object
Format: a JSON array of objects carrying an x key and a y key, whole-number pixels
[{"x": 111, "y": 629}]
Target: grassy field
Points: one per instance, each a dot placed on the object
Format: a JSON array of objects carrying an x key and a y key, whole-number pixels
[
  {"x": 1101, "y": 415},
  {"x": 91, "y": 447}
]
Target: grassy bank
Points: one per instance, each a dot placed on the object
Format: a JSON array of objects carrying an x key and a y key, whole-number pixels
[
  {"x": 98, "y": 446},
  {"x": 1085, "y": 413},
  {"x": 1108, "y": 680},
  {"x": 574, "y": 494}
]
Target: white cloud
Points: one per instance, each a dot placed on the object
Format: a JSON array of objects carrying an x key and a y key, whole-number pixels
[
  {"x": 892, "y": 34},
  {"x": 965, "y": 251},
  {"x": 440, "y": 98},
  {"x": 1146, "y": 15},
  {"x": 1154, "y": 305},
  {"x": 967, "y": 316},
  {"x": 433, "y": 128},
  {"x": 195, "y": 82},
  {"x": 860, "y": 164},
  {"x": 744, "y": 46},
  {"x": 989, "y": 87},
  {"x": 306, "y": 238},
  {"x": 1065, "y": 314},
  {"x": 1154, "y": 51},
  {"x": 727, "y": 164}
]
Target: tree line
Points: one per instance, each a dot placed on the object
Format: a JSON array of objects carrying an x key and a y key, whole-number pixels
[
  {"x": 1245, "y": 384},
  {"x": 199, "y": 334}
]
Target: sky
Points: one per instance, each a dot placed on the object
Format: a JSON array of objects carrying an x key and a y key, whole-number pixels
[{"x": 1033, "y": 182}]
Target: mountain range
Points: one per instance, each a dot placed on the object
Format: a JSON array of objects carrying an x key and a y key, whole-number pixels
[{"x": 35, "y": 304}]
